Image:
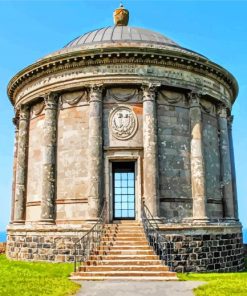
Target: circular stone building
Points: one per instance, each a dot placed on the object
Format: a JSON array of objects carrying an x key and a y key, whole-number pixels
[{"x": 123, "y": 115}]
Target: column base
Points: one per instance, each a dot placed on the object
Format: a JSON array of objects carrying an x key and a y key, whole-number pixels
[
  {"x": 203, "y": 220},
  {"x": 46, "y": 221},
  {"x": 230, "y": 220},
  {"x": 18, "y": 222}
]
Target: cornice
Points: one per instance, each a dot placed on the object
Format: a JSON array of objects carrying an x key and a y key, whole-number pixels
[{"x": 160, "y": 57}]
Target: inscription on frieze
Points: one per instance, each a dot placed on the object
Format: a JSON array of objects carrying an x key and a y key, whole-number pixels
[{"x": 169, "y": 76}]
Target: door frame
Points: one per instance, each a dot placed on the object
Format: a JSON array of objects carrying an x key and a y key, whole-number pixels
[{"x": 108, "y": 192}]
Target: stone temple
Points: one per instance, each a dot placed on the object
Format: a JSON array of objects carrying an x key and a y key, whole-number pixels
[{"x": 118, "y": 118}]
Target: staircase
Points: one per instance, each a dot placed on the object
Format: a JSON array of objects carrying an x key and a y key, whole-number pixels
[{"x": 124, "y": 253}]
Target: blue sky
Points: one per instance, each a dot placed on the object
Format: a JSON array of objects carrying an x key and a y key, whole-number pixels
[{"x": 32, "y": 29}]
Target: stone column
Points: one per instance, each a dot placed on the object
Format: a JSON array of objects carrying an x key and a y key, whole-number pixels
[
  {"x": 197, "y": 161},
  {"x": 49, "y": 160},
  {"x": 16, "y": 123},
  {"x": 234, "y": 182},
  {"x": 95, "y": 161},
  {"x": 226, "y": 172},
  {"x": 150, "y": 161},
  {"x": 21, "y": 166}
]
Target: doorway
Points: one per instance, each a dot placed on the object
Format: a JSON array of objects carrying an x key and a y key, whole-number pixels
[{"x": 123, "y": 190}]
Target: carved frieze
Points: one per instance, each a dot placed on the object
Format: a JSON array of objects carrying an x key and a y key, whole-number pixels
[
  {"x": 38, "y": 108},
  {"x": 122, "y": 95},
  {"x": 174, "y": 78},
  {"x": 207, "y": 106},
  {"x": 73, "y": 98},
  {"x": 171, "y": 98},
  {"x": 123, "y": 123}
]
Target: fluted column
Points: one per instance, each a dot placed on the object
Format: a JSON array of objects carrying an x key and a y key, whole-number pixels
[
  {"x": 150, "y": 160},
  {"x": 226, "y": 172},
  {"x": 21, "y": 166},
  {"x": 16, "y": 123},
  {"x": 95, "y": 161},
  {"x": 197, "y": 161},
  {"x": 234, "y": 181},
  {"x": 49, "y": 160}
]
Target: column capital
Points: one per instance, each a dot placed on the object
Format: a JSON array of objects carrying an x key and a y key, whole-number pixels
[
  {"x": 194, "y": 98},
  {"x": 149, "y": 91},
  {"x": 95, "y": 92},
  {"x": 51, "y": 100},
  {"x": 23, "y": 112},
  {"x": 16, "y": 120},
  {"x": 222, "y": 111}
]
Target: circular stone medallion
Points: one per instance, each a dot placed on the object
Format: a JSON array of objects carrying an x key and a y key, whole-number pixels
[{"x": 123, "y": 123}]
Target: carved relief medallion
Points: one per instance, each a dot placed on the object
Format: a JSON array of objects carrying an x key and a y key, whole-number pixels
[{"x": 123, "y": 123}]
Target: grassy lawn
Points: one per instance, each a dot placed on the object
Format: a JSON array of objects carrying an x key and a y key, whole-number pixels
[
  {"x": 35, "y": 279},
  {"x": 219, "y": 284}
]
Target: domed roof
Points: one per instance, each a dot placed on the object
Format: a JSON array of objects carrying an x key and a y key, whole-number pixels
[{"x": 120, "y": 34}]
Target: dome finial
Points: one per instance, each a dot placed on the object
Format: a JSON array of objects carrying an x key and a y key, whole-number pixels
[{"x": 121, "y": 16}]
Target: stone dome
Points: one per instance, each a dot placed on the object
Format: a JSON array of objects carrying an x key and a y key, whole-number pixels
[{"x": 121, "y": 34}]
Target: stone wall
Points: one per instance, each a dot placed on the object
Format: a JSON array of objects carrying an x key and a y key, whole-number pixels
[
  {"x": 174, "y": 156},
  {"x": 212, "y": 166},
  {"x": 209, "y": 252},
  {"x": 72, "y": 160},
  {"x": 35, "y": 162},
  {"x": 205, "y": 251},
  {"x": 43, "y": 246}
]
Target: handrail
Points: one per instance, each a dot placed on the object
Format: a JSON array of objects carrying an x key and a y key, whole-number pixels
[
  {"x": 162, "y": 246},
  {"x": 91, "y": 240}
]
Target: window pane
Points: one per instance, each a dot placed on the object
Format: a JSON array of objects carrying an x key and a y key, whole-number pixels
[
  {"x": 118, "y": 198},
  {"x": 130, "y": 190},
  {"x": 124, "y": 206},
  {"x": 117, "y": 191},
  {"x": 118, "y": 206},
  {"x": 117, "y": 213},
  {"x": 124, "y": 213},
  {"x": 131, "y": 198},
  {"x": 130, "y": 176},
  {"x": 131, "y": 206},
  {"x": 124, "y": 184},
  {"x": 130, "y": 183},
  {"x": 117, "y": 183},
  {"x": 124, "y": 190},
  {"x": 124, "y": 176},
  {"x": 124, "y": 198},
  {"x": 131, "y": 213},
  {"x": 117, "y": 176}
]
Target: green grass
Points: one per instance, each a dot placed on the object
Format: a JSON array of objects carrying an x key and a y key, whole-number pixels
[
  {"x": 219, "y": 284},
  {"x": 35, "y": 278}
]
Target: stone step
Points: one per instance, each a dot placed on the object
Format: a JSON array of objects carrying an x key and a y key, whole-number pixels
[
  {"x": 124, "y": 252},
  {"x": 124, "y": 257},
  {"x": 126, "y": 222},
  {"x": 124, "y": 227},
  {"x": 126, "y": 274},
  {"x": 123, "y": 268},
  {"x": 124, "y": 238},
  {"x": 125, "y": 243},
  {"x": 124, "y": 278},
  {"x": 122, "y": 262},
  {"x": 124, "y": 232},
  {"x": 131, "y": 236},
  {"x": 124, "y": 247}
]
